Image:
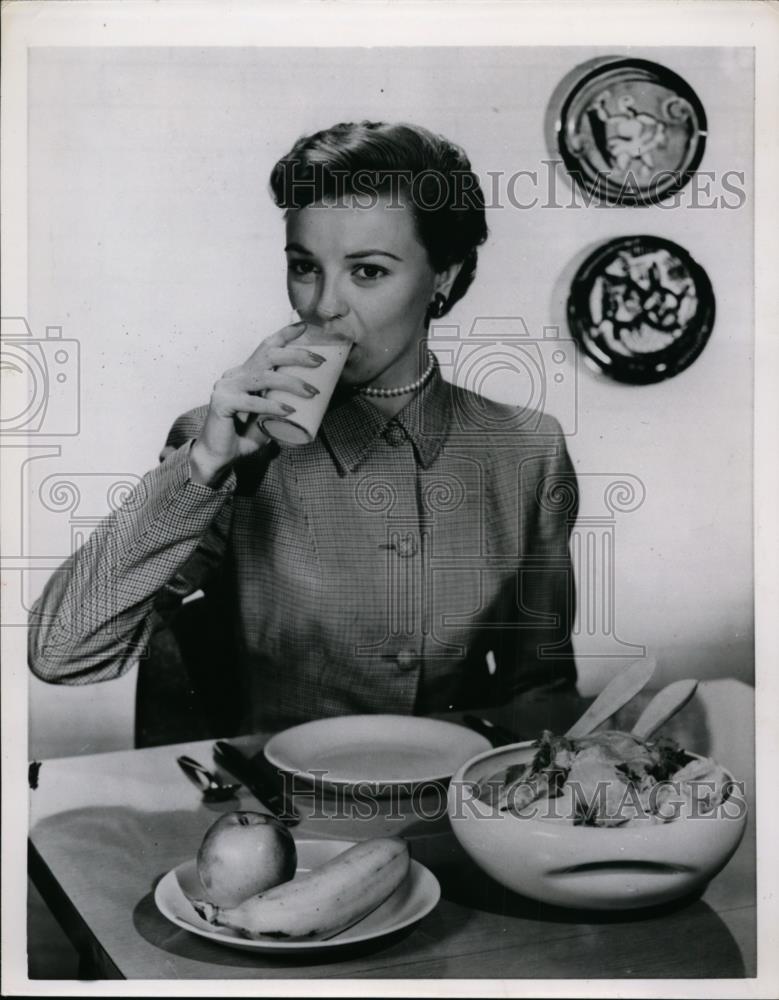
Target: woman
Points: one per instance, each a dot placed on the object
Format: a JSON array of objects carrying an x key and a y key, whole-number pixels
[{"x": 414, "y": 557}]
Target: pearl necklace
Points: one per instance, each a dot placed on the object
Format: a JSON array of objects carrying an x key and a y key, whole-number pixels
[{"x": 403, "y": 389}]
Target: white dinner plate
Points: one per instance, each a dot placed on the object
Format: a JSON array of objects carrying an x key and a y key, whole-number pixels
[
  {"x": 379, "y": 751},
  {"x": 415, "y": 897}
]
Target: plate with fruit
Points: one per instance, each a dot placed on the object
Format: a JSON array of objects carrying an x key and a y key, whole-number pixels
[{"x": 253, "y": 886}]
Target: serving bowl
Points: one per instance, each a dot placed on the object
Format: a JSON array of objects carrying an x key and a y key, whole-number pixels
[{"x": 601, "y": 868}]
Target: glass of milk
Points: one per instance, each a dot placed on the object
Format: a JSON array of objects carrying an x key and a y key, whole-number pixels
[{"x": 302, "y": 426}]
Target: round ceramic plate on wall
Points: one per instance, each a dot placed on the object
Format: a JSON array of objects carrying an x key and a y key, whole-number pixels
[
  {"x": 641, "y": 308},
  {"x": 630, "y": 131}
]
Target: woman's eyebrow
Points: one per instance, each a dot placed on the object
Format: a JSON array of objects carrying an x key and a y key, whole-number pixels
[
  {"x": 372, "y": 253},
  {"x": 357, "y": 255}
]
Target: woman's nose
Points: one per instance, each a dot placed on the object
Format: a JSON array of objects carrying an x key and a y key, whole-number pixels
[{"x": 330, "y": 304}]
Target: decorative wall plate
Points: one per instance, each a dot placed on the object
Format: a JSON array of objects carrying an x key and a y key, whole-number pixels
[
  {"x": 631, "y": 132},
  {"x": 641, "y": 308}
]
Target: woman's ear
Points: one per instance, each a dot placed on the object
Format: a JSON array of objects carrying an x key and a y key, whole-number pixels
[{"x": 446, "y": 278}]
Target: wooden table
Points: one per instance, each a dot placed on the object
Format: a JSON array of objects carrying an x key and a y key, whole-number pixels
[{"x": 105, "y": 828}]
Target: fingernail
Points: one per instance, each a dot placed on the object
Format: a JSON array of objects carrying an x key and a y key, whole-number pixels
[
  {"x": 287, "y": 408},
  {"x": 312, "y": 389},
  {"x": 316, "y": 357}
]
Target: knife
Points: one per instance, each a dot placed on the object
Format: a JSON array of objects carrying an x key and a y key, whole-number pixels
[{"x": 260, "y": 777}]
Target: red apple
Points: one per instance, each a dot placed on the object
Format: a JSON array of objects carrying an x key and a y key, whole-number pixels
[{"x": 244, "y": 853}]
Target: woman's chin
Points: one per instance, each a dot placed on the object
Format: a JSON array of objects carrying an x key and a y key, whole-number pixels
[
  {"x": 352, "y": 377},
  {"x": 346, "y": 388}
]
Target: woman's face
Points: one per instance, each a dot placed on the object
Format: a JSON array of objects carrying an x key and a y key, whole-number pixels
[{"x": 363, "y": 272}]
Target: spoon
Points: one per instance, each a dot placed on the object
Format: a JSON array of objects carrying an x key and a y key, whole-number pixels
[
  {"x": 213, "y": 789},
  {"x": 665, "y": 704},
  {"x": 617, "y": 693}
]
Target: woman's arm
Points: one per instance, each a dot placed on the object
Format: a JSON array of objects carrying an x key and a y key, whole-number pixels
[
  {"x": 541, "y": 651},
  {"x": 94, "y": 615}
]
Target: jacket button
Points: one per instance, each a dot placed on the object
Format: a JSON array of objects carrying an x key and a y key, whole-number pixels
[
  {"x": 406, "y": 660},
  {"x": 394, "y": 434},
  {"x": 406, "y": 547}
]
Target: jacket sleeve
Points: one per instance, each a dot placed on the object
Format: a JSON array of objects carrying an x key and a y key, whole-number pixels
[
  {"x": 95, "y": 613},
  {"x": 539, "y": 649}
]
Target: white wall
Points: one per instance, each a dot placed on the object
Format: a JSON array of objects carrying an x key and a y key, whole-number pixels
[{"x": 153, "y": 241}]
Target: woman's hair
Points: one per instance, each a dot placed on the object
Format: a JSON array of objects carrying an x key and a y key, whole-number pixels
[{"x": 366, "y": 159}]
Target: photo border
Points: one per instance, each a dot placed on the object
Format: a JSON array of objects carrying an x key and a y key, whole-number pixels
[{"x": 435, "y": 22}]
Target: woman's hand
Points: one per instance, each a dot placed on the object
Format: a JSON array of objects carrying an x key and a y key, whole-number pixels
[{"x": 231, "y": 430}]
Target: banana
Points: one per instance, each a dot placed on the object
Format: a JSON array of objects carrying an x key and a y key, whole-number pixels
[{"x": 320, "y": 903}]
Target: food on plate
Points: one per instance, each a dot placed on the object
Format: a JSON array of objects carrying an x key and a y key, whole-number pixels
[
  {"x": 320, "y": 903},
  {"x": 609, "y": 778},
  {"x": 244, "y": 853}
]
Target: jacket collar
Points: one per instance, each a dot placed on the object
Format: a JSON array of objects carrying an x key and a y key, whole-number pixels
[{"x": 352, "y": 428}]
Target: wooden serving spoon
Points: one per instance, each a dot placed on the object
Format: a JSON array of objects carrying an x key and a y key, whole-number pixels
[
  {"x": 617, "y": 693},
  {"x": 665, "y": 704}
]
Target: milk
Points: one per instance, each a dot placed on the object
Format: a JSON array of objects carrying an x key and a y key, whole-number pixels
[{"x": 302, "y": 426}]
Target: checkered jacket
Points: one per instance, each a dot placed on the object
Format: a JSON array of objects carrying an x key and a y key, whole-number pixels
[{"x": 410, "y": 565}]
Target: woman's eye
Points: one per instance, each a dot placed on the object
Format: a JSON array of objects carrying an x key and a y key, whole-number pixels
[
  {"x": 369, "y": 272},
  {"x": 301, "y": 268}
]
